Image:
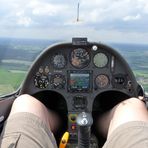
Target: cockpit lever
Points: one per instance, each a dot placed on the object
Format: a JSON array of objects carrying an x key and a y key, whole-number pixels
[{"x": 84, "y": 122}]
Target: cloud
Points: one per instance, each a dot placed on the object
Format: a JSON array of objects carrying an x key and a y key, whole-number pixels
[
  {"x": 131, "y": 18},
  {"x": 143, "y": 5},
  {"x": 102, "y": 11},
  {"x": 58, "y": 18},
  {"x": 43, "y": 8},
  {"x": 25, "y": 21},
  {"x": 22, "y": 19}
]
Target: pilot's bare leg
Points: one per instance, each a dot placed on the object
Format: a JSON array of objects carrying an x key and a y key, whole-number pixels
[
  {"x": 29, "y": 125},
  {"x": 126, "y": 125},
  {"x": 27, "y": 103},
  {"x": 129, "y": 110}
]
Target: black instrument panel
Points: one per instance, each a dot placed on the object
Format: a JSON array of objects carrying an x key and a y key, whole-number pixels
[
  {"x": 72, "y": 78},
  {"x": 80, "y": 70},
  {"x": 76, "y": 69}
]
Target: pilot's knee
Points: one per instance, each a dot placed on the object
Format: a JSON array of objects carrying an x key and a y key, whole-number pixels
[
  {"x": 133, "y": 102},
  {"x": 25, "y": 103},
  {"x": 25, "y": 98}
]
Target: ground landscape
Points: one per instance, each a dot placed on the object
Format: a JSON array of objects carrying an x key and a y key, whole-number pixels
[{"x": 16, "y": 56}]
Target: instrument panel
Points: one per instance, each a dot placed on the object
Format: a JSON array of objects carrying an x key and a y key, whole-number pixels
[
  {"x": 81, "y": 70},
  {"x": 88, "y": 77}
]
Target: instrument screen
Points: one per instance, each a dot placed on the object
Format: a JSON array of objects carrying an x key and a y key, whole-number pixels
[{"x": 79, "y": 81}]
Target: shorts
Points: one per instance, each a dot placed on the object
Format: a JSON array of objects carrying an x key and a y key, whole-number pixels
[
  {"x": 133, "y": 134},
  {"x": 26, "y": 130}
]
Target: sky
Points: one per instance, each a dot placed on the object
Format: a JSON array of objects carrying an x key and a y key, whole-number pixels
[{"x": 99, "y": 20}]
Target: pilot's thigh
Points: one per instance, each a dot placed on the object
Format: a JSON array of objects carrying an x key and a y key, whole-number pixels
[
  {"x": 25, "y": 130},
  {"x": 129, "y": 135}
]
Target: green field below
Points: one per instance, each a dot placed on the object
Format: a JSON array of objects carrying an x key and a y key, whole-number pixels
[
  {"x": 142, "y": 78},
  {"x": 10, "y": 80}
]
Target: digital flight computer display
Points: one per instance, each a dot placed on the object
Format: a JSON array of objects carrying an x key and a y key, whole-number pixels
[{"x": 79, "y": 81}]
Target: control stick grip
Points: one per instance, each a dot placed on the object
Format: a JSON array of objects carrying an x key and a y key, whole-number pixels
[{"x": 84, "y": 122}]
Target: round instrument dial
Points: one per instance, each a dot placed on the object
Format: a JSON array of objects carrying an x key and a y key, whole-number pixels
[
  {"x": 58, "y": 61},
  {"x": 80, "y": 58},
  {"x": 100, "y": 60},
  {"x": 102, "y": 81},
  {"x": 41, "y": 81},
  {"x": 57, "y": 81}
]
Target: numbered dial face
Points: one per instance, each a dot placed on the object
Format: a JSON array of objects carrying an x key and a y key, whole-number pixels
[
  {"x": 80, "y": 58},
  {"x": 58, "y": 61},
  {"x": 100, "y": 60},
  {"x": 41, "y": 81},
  {"x": 102, "y": 81},
  {"x": 57, "y": 81}
]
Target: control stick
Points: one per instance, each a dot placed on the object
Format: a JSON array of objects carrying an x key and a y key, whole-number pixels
[{"x": 84, "y": 122}]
